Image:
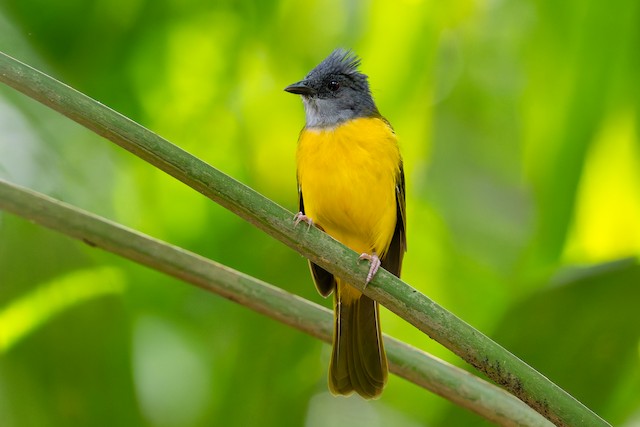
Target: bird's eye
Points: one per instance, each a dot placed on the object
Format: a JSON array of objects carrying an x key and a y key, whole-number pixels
[{"x": 334, "y": 85}]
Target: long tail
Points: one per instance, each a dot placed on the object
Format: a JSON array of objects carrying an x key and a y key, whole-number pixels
[{"x": 358, "y": 362}]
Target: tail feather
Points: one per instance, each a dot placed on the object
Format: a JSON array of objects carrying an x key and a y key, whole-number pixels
[{"x": 358, "y": 361}]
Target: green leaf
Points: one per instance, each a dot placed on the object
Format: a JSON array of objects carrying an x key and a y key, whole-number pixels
[
  {"x": 588, "y": 318},
  {"x": 23, "y": 316}
]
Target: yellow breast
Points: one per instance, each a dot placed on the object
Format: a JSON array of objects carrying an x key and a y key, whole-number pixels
[{"x": 347, "y": 176}]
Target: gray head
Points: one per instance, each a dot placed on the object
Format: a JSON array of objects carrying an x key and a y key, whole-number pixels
[{"x": 335, "y": 91}]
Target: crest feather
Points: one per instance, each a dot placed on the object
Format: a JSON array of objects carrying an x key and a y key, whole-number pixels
[{"x": 340, "y": 61}]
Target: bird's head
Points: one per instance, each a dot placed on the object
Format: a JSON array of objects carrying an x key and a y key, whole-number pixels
[{"x": 335, "y": 91}]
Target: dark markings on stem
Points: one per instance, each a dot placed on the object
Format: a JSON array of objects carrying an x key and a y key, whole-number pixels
[
  {"x": 508, "y": 380},
  {"x": 89, "y": 242}
]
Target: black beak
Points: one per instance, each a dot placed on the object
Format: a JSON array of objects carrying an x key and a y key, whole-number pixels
[{"x": 300, "y": 88}]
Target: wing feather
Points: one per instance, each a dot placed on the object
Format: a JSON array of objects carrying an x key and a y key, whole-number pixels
[
  {"x": 392, "y": 261},
  {"x": 324, "y": 281}
]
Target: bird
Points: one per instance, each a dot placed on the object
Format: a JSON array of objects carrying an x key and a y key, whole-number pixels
[{"x": 351, "y": 185}]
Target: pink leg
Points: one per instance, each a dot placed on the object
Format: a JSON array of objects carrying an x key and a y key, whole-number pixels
[
  {"x": 300, "y": 217},
  {"x": 375, "y": 265}
]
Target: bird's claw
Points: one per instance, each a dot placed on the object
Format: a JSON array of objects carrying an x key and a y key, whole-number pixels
[
  {"x": 375, "y": 265},
  {"x": 300, "y": 217}
]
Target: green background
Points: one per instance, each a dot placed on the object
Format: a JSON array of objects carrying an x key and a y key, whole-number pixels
[{"x": 518, "y": 123}]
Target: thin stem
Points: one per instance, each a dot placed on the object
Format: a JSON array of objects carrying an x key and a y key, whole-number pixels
[
  {"x": 465, "y": 341},
  {"x": 408, "y": 362}
]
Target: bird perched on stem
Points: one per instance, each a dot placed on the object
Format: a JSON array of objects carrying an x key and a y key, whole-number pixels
[{"x": 351, "y": 186}]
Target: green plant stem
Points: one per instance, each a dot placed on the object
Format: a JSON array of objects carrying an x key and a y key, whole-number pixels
[
  {"x": 468, "y": 343},
  {"x": 408, "y": 362}
]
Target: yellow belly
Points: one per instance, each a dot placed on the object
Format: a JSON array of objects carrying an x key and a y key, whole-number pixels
[{"x": 347, "y": 176}]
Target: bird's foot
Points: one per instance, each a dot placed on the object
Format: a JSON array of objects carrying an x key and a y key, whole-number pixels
[
  {"x": 300, "y": 217},
  {"x": 375, "y": 265}
]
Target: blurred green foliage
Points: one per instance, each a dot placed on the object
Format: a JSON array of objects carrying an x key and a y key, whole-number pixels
[{"x": 519, "y": 128}]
